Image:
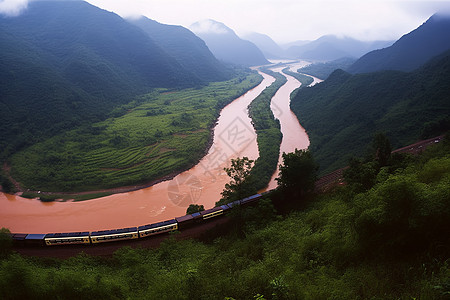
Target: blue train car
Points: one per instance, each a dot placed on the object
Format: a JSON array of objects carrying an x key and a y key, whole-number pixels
[
  {"x": 35, "y": 239},
  {"x": 114, "y": 235},
  {"x": 188, "y": 220},
  {"x": 234, "y": 203},
  {"x": 251, "y": 199},
  {"x": 67, "y": 238},
  {"x": 225, "y": 208},
  {"x": 152, "y": 229}
]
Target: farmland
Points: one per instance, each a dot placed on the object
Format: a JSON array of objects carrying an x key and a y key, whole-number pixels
[{"x": 155, "y": 135}]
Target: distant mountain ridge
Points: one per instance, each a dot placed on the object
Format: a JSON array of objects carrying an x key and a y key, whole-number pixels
[
  {"x": 331, "y": 47},
  {"x": 269, "y": 47},
  {"x": 405, "y": 106},
  {"x": 66, "y": 63},
  {"x": 411, "y": 51},
  {"x": 189, "y": 50},
  {"x": 226, "y": 45}
]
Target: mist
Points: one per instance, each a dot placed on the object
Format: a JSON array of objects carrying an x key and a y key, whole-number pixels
[{"x": 12, "y": 7}]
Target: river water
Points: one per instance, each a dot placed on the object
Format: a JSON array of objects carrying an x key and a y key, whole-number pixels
[
  {"x": 294, "y": 135},
  {"x": 234, "y": 136}
]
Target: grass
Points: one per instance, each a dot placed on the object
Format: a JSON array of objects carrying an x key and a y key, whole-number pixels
[{"x": 155, "y": 135}]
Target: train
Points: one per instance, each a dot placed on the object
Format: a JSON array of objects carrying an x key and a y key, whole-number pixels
[{"x": 131, "y": 233}]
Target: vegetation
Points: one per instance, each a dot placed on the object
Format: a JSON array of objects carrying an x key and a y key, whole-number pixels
[
  {"x": 298, "y": 173},
  {"x": 389, "y": 241},
  {"x": 323, "y": 70},
  {"x": 268, "y": 133},
  {"x": 239, "y": 173},
  {"x": 303, "y": 79},
  {"x": 153, "y": 136},
  {"x": 57, "y": 90},
  {"x": 193, "y": 208},
  {"x": 406, "y": 106}
]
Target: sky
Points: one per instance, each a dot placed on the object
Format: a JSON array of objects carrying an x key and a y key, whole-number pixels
[{"x": 283, "y": 20}]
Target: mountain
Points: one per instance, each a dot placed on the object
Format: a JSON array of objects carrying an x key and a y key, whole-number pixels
[
  {"x": 65, "y": 63},
  {"x": 406, "y": 106},
  {"x": 226, "y": 45},
  {"x": 331, "y": 47},
  {"x": 269, "y": 48},
  {"x": 323, "y": 69},
  {"x": 411, "y": 51},
  {"x": 189, "y": 50}
]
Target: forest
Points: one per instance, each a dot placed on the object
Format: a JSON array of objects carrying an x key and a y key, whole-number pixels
[
  {"x": 343, "y": 112},
  {"x": 384, "y": 235},
  {"x": 167, "y": 129}
]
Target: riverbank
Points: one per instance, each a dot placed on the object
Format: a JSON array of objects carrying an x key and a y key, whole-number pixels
[{"x": 112, "y": 170}]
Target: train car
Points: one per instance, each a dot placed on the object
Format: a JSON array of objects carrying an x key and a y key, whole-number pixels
[
  {"x": 18, "y": 239},
  {"x": 251, "y": 199},
  {"x": 161, "y": 227},
  {"x": 225, "y": 208},
  {"x": 114, "y": 235},
  {"x": 68, "y": 238},
  {"x": 188, "y": 220},
  {"x": 34, "y": 239},
  {"x": 211, "y": 213},
  {"x": 234, "y": 203}
]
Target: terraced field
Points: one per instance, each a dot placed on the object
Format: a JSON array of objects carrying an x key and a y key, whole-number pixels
[{"x": 151, "y": 137}]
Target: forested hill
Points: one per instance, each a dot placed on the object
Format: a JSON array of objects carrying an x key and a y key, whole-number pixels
[
  {"x": 343, "y": 113},
  {"x": 188, "y": 49},
  {"x": 411, "y": 51},
  {"x": 226, "y": 45},
  {"x": 64, "y": 63}
]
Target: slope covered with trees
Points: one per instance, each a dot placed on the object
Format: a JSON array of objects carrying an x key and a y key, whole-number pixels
[
  {"x": 189, "y": 50},
  {"x": 411, "y": 51},
  {"x": 388, "y": 241},
  {"x": 68, "y": 66},
  {"x": 227, "y": 46},
  {"x": 345, "y": 111},
  {"x": 65, "y": 63}
]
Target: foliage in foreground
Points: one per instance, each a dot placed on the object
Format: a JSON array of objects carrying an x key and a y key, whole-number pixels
[{"x": 389, "y": 241}]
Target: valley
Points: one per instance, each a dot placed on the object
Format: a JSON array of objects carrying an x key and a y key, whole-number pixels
[
  {"x": 161, "y": 150},
  {"x": 234, "y": 136}
]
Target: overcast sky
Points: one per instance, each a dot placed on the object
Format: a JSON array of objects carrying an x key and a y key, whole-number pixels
[{"x": 283, "y": 20}]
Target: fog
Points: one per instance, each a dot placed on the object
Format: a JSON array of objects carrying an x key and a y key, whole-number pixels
[{"x": 283, "y": 20}]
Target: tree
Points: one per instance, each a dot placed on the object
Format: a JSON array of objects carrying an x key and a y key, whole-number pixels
[
  {"x": 5, "y": 242},
  {"x": 193, "y": 208},
  {"x": 298, "y": 173},
  {"x": 382, "y": 149},
  {"x": 239, "y": 172}
]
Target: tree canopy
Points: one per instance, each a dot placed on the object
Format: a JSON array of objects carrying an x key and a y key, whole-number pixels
[{"x": 298, "y": 173}]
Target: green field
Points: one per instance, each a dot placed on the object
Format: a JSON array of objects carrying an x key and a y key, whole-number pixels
[{"x": 151, "y": 137}]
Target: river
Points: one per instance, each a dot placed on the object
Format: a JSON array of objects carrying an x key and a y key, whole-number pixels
[
  {"x": 234, "y": 136},
  {"x": 294, "y": 135}
]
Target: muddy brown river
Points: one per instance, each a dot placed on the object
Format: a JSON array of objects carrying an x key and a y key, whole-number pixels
[{"x": 234, "y": 137}]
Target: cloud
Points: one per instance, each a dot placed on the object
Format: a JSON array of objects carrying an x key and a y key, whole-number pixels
[
  {"x": 209, "y": 26},
  {"x": 12, "y": 7}
]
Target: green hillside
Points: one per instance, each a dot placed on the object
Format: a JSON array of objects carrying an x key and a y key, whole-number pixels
[
  {"x": 390, "y": 241},
  {"x": 189, "y": 50},
  {"x": 68, "y": 63},
  {"x": 411, "y": 51},
  {"x": 343, "y": 113},
  {"x": 157, "y": 134}
]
